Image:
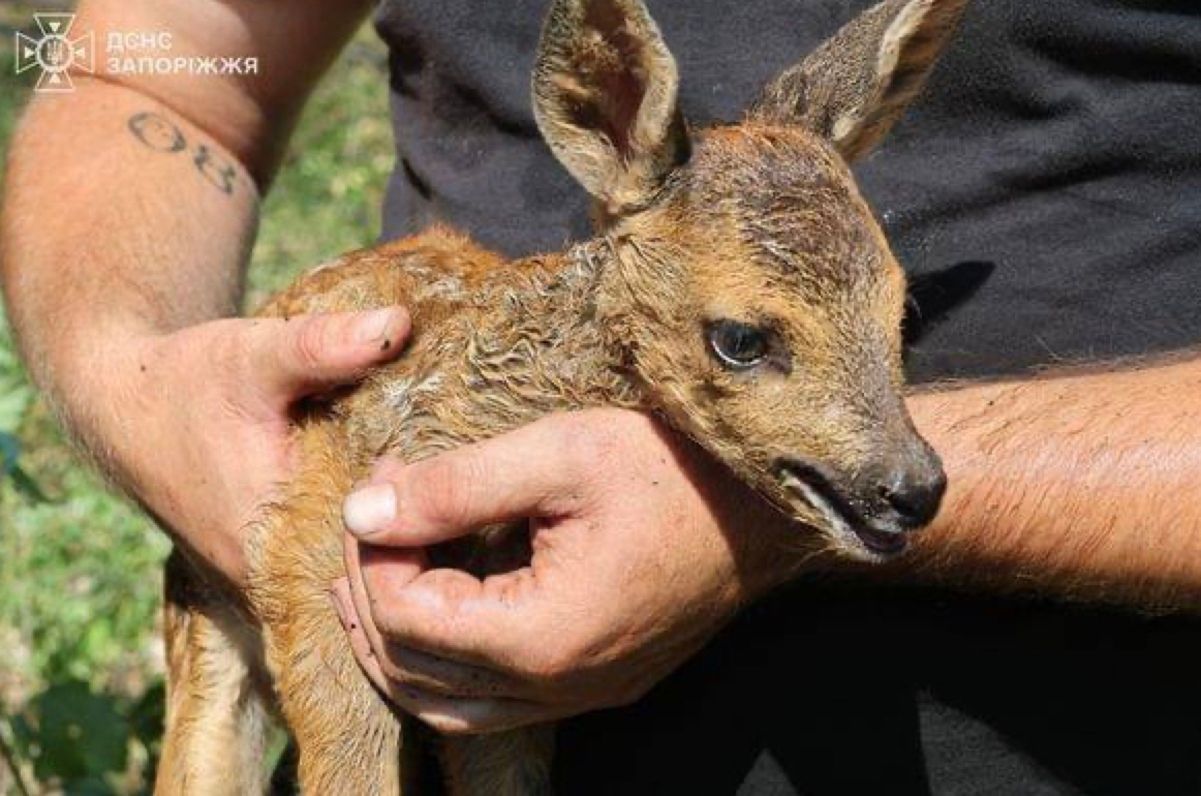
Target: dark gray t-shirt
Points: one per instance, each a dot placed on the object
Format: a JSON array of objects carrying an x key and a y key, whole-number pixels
[{"x": 1045, "y": 194}]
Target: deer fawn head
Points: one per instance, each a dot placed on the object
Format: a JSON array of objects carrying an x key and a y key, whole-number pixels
[{"x": 751, "y": 292}]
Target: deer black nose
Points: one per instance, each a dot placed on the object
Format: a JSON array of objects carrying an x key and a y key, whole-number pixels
[{"x": 914, "y": 492}]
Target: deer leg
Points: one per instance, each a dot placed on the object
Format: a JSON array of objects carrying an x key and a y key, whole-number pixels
[
  {"x": 216, "y": 721},
  {"x": 513, "y": 763},
  {"x": 347, "y": 738}
]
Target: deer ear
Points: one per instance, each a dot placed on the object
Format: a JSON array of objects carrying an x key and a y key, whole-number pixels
[
  {"x": 858, "y": 83},
  {"x": 605, "y": 90}
]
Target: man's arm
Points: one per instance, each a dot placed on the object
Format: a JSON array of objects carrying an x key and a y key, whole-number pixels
[
  {"x": 129, "y": 212},
  {"x": 1074, "y": 486},
  {"x": 1078, "y": 485}
]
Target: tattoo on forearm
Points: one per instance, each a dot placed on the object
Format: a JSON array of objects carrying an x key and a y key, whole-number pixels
[
  {"x": 160, "y": 134},
  {"x": 214, "y": 169}
]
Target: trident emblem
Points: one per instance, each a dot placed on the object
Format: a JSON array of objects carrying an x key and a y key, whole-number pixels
[{"x": 55, "y": 53}]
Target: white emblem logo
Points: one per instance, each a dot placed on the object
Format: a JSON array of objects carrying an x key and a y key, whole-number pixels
[{"x": 55, "y": 53}]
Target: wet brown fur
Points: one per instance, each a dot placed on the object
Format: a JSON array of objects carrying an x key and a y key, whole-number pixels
[{"x": 759, "y": 221}]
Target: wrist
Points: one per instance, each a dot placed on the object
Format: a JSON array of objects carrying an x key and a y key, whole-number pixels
[
  {"x": 768, "y": 549},
  {"x": 127, "y": 406},
  {"x": 94, "y": 386},
  {"x": 776, "y": 550}
]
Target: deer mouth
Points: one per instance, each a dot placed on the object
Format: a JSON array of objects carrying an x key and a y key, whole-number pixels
[{"x": 847, "y": 526}]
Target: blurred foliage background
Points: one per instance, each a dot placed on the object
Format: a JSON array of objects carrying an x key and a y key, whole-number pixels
[{"x": 80, "y": 656}]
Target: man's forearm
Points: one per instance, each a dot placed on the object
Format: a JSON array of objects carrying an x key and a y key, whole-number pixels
[
  {"x": 1082, "y": 485},
  {"x": 119, "y": 214},
  {"x": 120, "y": 219}
]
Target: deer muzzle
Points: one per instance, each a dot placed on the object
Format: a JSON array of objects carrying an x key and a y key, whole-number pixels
[{"x": 872, "y": 514}]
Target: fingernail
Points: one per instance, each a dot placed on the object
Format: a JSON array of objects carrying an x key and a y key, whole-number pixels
[
  {"x": 378, "y": 326},
  {"x": 368, "y": 510}
]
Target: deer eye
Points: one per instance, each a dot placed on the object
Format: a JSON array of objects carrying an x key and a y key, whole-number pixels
[{"x": 737, "y": 346}]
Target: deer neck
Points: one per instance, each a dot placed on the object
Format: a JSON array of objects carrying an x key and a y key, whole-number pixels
[{"x": 556, "y": 310}]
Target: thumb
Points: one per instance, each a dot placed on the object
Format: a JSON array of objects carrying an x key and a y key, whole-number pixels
[
  {"x": 530, "y": 472},
  {"x": 309, "y": 353}
]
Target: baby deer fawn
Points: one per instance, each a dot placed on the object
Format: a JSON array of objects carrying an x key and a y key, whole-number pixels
[{"x": 738, "y": 285}]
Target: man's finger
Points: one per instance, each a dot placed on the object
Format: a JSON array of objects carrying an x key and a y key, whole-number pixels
[
  {"x": 356, "y": 631},
  {"x": 356, "y": 604},
  {"x": 364, "y": 602},
  {"x": 448, "y": 714},
  {"x": 400, "y": 666},
  {"x": 310, "y": 353},
  {"x": 446, "y": 678},
  {"x": 367, "y": 600},
  {"x": 471, "y": 716},
  {"x": 533, "y": 471},
  {"x": 501, "y": 624}
]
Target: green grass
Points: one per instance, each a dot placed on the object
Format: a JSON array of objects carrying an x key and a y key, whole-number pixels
[{"x": 80, "y": 657}]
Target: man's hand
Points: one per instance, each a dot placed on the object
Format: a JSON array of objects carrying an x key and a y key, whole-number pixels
[
  {"x": 198, "y": 420},
  {"x": 631, "y": 572}
]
